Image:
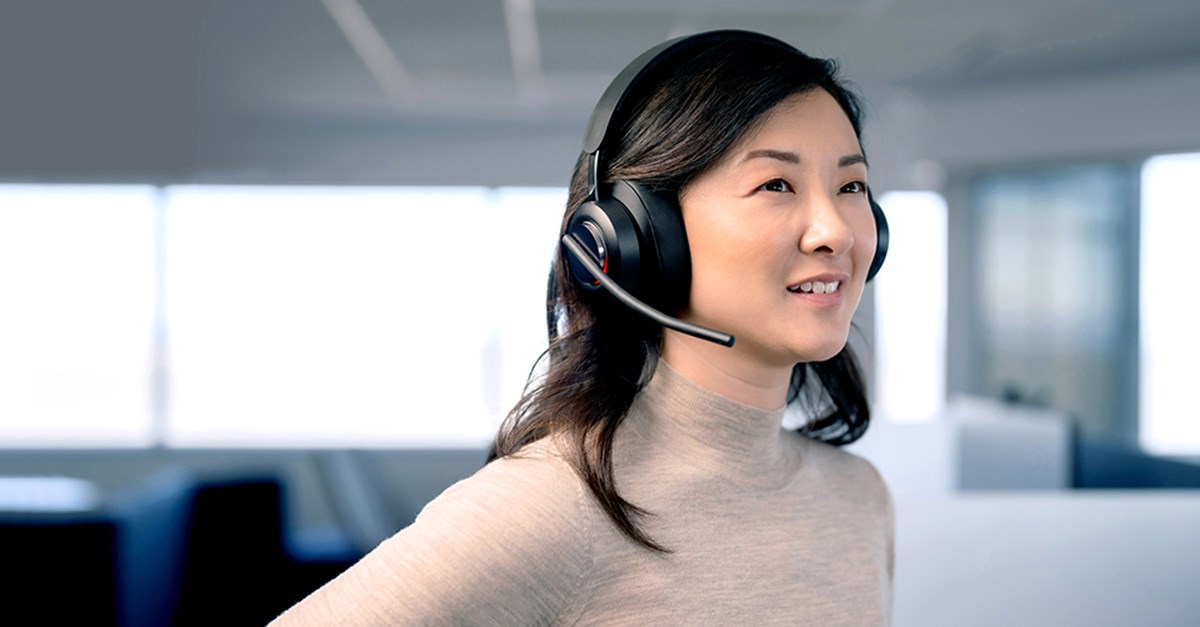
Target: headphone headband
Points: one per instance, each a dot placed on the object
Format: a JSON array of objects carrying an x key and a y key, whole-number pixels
[{"x": 617, "y": 96}]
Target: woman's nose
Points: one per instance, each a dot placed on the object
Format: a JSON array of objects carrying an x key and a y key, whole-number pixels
[{"x": 826, "y": 230}]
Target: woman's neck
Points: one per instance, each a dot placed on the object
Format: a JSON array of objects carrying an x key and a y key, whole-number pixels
[
  {"x": 677, "y": 422},
  {"x": 725, "y": 371}
]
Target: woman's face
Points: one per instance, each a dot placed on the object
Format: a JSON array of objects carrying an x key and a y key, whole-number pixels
[{"x": 782, "y": 235}]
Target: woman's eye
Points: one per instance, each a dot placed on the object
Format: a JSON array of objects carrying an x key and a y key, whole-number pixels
[
  {"x": 856, "y": 187},
  {"x": 776, "y": 185}
]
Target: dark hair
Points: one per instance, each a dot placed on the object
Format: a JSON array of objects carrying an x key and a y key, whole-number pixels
[{"x": 601, "y": 354}]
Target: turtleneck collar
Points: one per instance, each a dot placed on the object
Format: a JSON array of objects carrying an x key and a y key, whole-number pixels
[{"x": 686, "y": 421}]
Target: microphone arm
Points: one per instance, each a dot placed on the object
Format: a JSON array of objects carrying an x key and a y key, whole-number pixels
[{"x": 581, "y": 255}]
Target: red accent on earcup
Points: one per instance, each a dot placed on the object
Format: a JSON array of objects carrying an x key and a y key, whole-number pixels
[{"x": 609, "y": 233}]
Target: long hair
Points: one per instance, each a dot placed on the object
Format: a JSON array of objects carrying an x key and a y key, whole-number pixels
[{"x": 601, "y": 354}]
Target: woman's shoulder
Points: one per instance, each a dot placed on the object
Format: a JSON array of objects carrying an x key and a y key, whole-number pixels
[
  {"x": 533, "y": 495},
  {"x": 510, "y": 544},
  {"x": 836, "y": 464}
]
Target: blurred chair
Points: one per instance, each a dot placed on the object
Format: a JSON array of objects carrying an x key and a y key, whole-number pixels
[
  {"x": 117, "y": 562},
  {"x": 58, "y": 569},
  {"x": 171, "y": 550},
  {"x": 239, "y": 571}
]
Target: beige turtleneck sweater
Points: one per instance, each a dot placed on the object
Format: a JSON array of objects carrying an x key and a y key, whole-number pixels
[{"x": 767, "y": 527}]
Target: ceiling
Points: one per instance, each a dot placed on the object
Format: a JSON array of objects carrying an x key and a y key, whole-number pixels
[
  {"x": 489, "y": 58},
  {"x": 172, "y": 82}
]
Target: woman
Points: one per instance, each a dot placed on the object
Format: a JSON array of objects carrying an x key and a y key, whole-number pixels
[{"x": 645, "y": 478}]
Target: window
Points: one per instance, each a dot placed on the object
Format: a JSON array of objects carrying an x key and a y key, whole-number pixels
[
  {"x": 910, "y": 309},
  {"x": 1169, "y": 340},
  {"x": 268, "y": 316},
  {"x": 76, "y": 324},
  {"x": 353, "y": 317}
]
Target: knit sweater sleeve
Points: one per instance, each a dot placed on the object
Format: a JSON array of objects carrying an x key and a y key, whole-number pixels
[{"x": 508, "y": 546}]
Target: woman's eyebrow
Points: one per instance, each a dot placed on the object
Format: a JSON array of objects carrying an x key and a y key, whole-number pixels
[
  {"x": 791, "y": 157},
  {"x": 854, "y": 159},
  {"x": 767, "y": 153}
]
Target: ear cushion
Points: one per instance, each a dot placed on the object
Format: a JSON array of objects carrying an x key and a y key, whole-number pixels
[
  {"x": 666, "y": 257},
  {"x": 881, "y": 239},
  {"x": 637, "y": 237}
]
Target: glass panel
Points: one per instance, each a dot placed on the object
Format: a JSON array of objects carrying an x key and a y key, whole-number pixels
[
  {"x": 353, "y": 317},
  {"x": 77, "y": 282},
  {"x": 1170, "y": 422},
  {"x": 910, "y": 309},
  {"x": 1054, "y": 265}
]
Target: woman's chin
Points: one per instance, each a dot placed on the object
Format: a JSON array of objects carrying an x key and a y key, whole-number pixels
[
  {"x": 822, "y": 352},
  {"x": 788, "y": 356}
]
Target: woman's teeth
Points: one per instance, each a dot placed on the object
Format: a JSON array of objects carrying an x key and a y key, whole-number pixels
[{"x": 815, "y": 287}]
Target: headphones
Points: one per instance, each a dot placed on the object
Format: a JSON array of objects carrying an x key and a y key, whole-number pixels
[{"x": 631, "y": 234}]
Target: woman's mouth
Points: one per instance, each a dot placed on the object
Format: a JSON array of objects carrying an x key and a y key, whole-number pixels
[{"x": 815, "y": 287}]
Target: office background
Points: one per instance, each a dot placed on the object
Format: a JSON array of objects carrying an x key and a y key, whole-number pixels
[{"x": 286, "y": 258}]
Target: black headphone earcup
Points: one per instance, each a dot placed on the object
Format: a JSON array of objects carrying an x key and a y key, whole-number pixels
[
  {"x": 881, "y": 239},
  {"x": 636, "y": 235},
  {"x": 666, "y": 257}
]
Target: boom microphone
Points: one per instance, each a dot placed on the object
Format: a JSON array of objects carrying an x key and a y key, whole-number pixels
[{"x": 577, "y": 250}]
